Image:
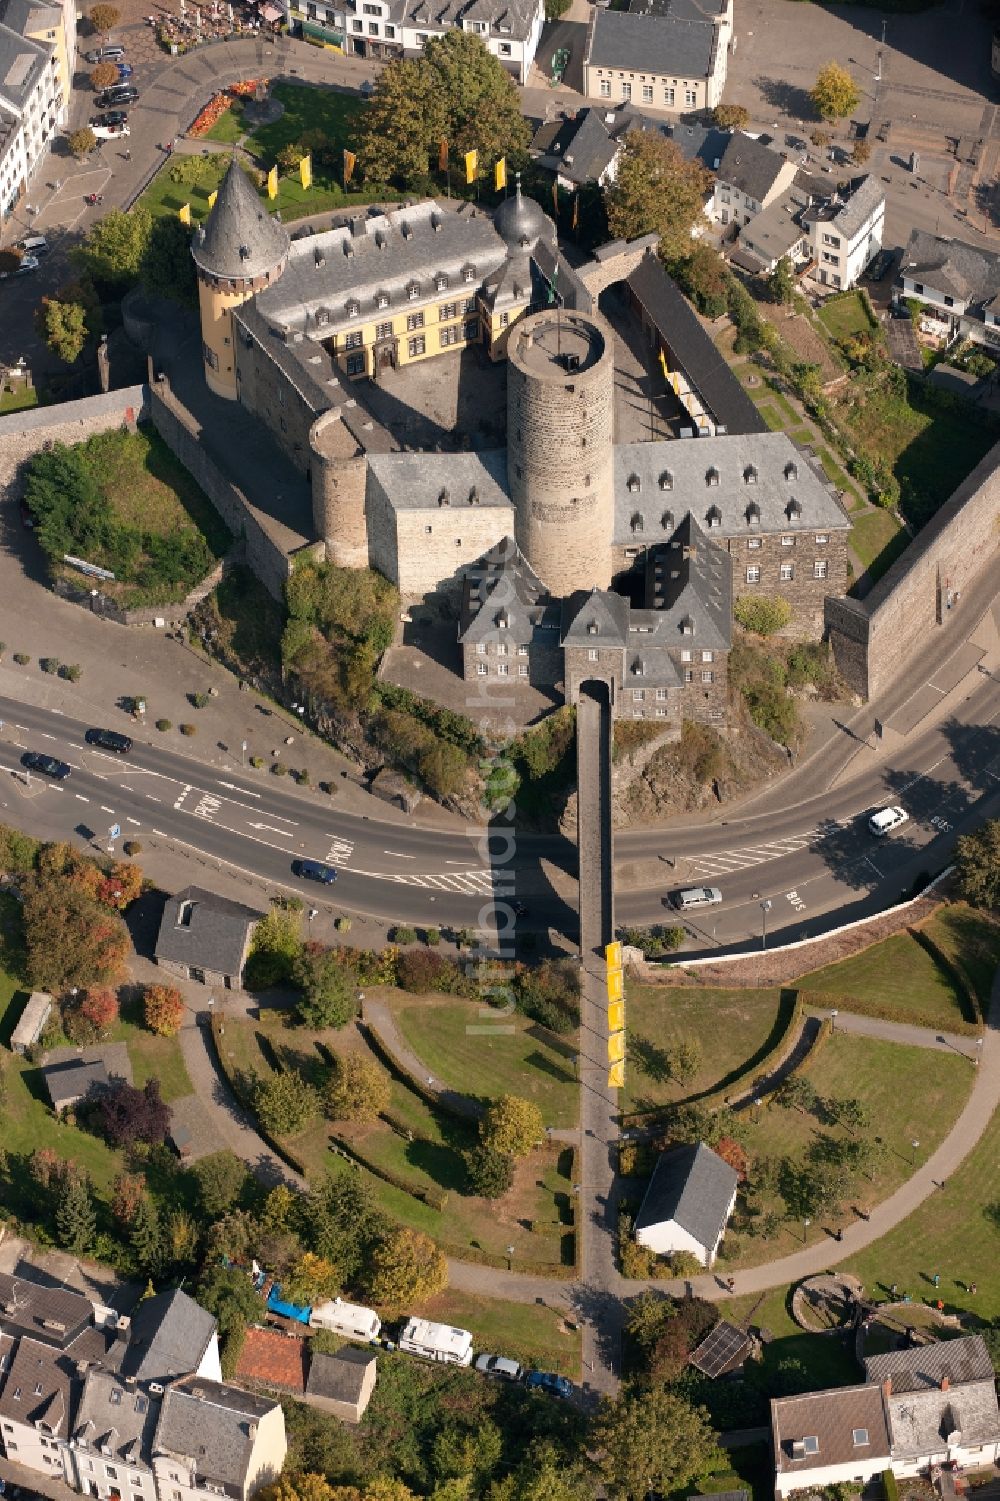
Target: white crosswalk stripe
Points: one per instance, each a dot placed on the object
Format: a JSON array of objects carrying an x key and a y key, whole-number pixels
[
  {"x": 701, "y": 867},
  {"x": 464, "y": 882}
]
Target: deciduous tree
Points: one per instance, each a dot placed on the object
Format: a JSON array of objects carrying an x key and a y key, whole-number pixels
[
  {"x": 221, "y": 1178},
  {"x": 100, "y": 1007},
  {"x": 63, "y": 326},
  {"x": 656, "y": 191},
  {"x": 328, "y": 988},
  {"x": 284, "y": 1102},
  {"x": 406, "y": 1268},
  {"x": 781, "y": 282},
  {"x": 357, "y": 1090},
  {"x": 311, "y": 1280},
  {"x": 340, "y": 1219},
  {"x": 127, "y": 1115},
  {"x": 163, "y": 1009},
  {"x": 652, "y": 1441},
  {"x": 403, "y": 119},
  {"x": 71, "y": 940},
  {"x": 834, "y": 94},
  {"x": 731, "y": 116},
  {"x": 977, "y": 857},
  {"x": 104, "y": 76},
  {"x": 512, "y": 1126},
  {"x": 104, "y": 18},
  {"x": 114, "y": 248},
  {"x": 491, "y": 1173},
  {"x": 129, "y": 1189},
  {"x": 81, "y": 142},
  {"x": 299, "y": 1485}
]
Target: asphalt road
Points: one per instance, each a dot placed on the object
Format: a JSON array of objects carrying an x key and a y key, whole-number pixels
[{"x": 811, "y": 858}]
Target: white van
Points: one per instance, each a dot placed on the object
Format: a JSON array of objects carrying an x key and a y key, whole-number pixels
[
  {"x": 348, "y": 1319},
  {"x": 887, "y": 819},
  {"x": 437, "y": 1342},
  {"x": 696, "y": 896},
  {"x": 34, "y": 245}
]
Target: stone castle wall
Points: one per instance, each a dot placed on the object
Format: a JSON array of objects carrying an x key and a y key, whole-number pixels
[
  {"x": 22, "y": 434},
  {"x": 338, "y": 473},
  {"x": 268, "y": 391},
  {"x": 872, "y": 638},
  {"x": 614, "y": 262}
]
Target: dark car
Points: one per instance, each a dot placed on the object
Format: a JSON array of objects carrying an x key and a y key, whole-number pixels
[
  {"x": 111, "y": 117},
  {"x": 49, "y": 766},
  {"x": 880, "y": 265},
  {"x": 113, "y": 98},
  {"x": 314, "y": 870},
  {"x": 548, "y": 1381},
  {"x": 26, "y": 517},
  {"x": 109, "y": 740}
]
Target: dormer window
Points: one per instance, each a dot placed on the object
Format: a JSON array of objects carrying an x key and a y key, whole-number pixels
[
  {"x": 753, "y": 514},
  {"x": 381, "y": 299},
  {"x": 666, "y": 480},
  {"x": 473, "y": 496},
  {"x": 636, "y": 521},
  {"x": 667, "y": 521},
  {"x": 443, "y": 496},
  {"x": 593, "y": 628},
  {"x": 413, "y": 290},
  {"x": 793, "y": 510},
  {"x": 750, "y": 475},
  {"x": 353, "y": 309},
  {"x": 638, "y": 669},
  {"x": 468, "y": 273},
  {"x": 713, "y": 516},
  {"x": 712, "y": 477},
  {"x": 791, "y": 470},
  {"x": 322, "y": 317},
  {"x": 441, "y": 283},
  {"x": 634, "y": 484},
  {"x": 687, "y": 626}
]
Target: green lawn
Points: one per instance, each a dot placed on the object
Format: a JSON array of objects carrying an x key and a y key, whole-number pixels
[
  {"x": 229, "y": 127},
  {"x": 731, "y": 1027},
  {"x": 18, "y": 401},
  {"x": 972, "y": 939},
  {"x": 897, "y": 979},
  {"x": 150, "y": 489},
  {"x": 878, "y": 540},
  {"x": 472, "y": 1049},
  {"x": 536, "y": 1336},
  {"x": 911, "y": 1094},
  {"x": 771, "y": 416},
  {"x": 837, "y": 477},
  {"x": 309, "y": 108},
  {"x": 844, "y": 317}
]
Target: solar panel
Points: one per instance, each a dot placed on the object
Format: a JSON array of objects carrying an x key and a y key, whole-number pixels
[{"x": 721, "y": 1349}]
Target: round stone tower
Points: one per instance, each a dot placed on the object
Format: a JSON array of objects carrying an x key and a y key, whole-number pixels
[
  {"x": 560, "y": 414},
  {"x": 239, "y": 250}
]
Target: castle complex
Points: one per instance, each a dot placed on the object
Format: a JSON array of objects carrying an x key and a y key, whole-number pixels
[{"x": 571, "y": 556}]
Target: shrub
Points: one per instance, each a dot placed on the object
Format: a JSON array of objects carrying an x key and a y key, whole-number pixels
[
  {"x": 550, "y": 994},
  {"x": 491, "y": 1173},
  {"x": 285, "y": 1103},
  {"x": 279, "y": 768},
  {"x": 164, "y": 725},
  {"x": 132, "y": 847},
  {"x": 186, "y": 729},
  {"x": 403, "y": 934},
  {"x": 762, "y": 613},
  {"x": 731, "y": 116},
  {"x": 198, "y": 700},
  {"x": 343, "y": 925},
  {"x": 163, "y": 1009},
  {"x": 419, "y": 971},
  {"x": 654, "y": 941},
  {"x": 49, "y": 664},
  {"x": 432, "y": 936},
  {"x": 21, "y": 658},
  {"x": 71, "y": 672},
  {"x": 256, "y": 762},
  {"x": 302, "y": 777}
]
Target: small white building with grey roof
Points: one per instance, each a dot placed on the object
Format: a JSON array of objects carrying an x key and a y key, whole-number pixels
[
  {"x": 205, "y": 937},
  {"x": 687, "y": 1204},
  {"x": 214, "y": 1440}
]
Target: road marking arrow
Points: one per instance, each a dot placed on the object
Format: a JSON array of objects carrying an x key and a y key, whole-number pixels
[{"x": 285, "y": 833}]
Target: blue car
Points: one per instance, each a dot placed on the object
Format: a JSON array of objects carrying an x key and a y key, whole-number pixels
[
  {"x": 124, "y": 70},
  {"x": 314, "y": 870},
  {"x": 548, "y": 1381}
]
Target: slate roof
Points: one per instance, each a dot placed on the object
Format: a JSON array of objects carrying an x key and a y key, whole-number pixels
[
  {"x": 584, "y": 610},
  {"x": 750, "y": 166},
  {"x": 340, "y": 1377},
  {"x": 679, "y": 327},
  {"x": 210, "y": 1424},
  {"x": 382, "y": 253},
  {"x": 28, "y": 1307},
  {"x": 582, "y": 147},
  {"x": 22, "y": 62},
  {"x": 926, "y": 1422},
  {"x": 169, "y": 1335},
  {"x": 833, "y": 1419},
  {"x": 39, "y": 1386},
  {"x": 521, "y": 221},
  {"x": 785, "y": 479},
  {"x": 851, "y": 213},
  {"x": 923, "y": 1368},
  {"x": 413, "y": 481},
  {"x": 777, "y": 229},
  {"x": 117, "y": 1415},
  {"x": 655, "y": 44},
  {"x": 950, "y": 266},
  {"x": 239, "y": 239},
  {"x": 513, "y": 18},
  {"x": 692, "y": 1187},
  {"x": 74, "y": 1080},
  {"x": 689, "y": 586},
  {"x": 693, "y": 10},
  {"x": 503, "y": 583},
  {"x": 205, "y": 930},
  {"x": 274, "y": 1358}
]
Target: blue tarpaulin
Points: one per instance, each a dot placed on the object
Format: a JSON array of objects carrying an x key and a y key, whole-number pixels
[{"x": 286, "y": 1310}]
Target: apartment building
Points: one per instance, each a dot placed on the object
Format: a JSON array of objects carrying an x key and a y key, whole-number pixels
[
  {"x": 958, "y": 283},
  {"x": 33, "y": 97},
  {"x": 671, "y": 54}
]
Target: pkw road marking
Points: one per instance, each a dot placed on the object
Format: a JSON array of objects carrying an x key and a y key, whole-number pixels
[
  {"x": 340, "y": 852},
  {"x": 796, "y": 900}
]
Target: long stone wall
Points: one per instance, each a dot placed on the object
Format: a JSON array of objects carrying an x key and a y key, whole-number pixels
[
  {"x": 23, "y": 434},
  {"x": 872, "y": 638}
]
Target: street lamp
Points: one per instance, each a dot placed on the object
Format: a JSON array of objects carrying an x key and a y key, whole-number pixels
[
  {"x": 510, "y": 1258},
  {"x": 914, "y": 1144},
  {"x": 765, "y": 908},
  {"x": 805, "y": 1230},
  {"x": 833, "y": 1021}
]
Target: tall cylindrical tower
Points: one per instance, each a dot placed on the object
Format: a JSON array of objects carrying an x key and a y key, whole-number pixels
[
  {"x": 239, "y": 250},
  {"x": 560, "y": 415}
]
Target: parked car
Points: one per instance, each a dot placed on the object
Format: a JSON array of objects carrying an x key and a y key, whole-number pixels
[
  {"x": 880, "y": 265},
  {"x": 548, "y": 1381},
  {"x": 124, "y": 70},
  {"x": 117, "y": 95},
  {"x": 696, "y": 896},
  {"x": 314, "y": 870},
  {"x": 27, "y": 265},
  {"x": 49, "y": 766},
  {"x": 499, "y": 1365},
  {"x": 36, "y": 245},
  {"x": 113, "y": 52},
  {"x": 887, "y": 819},
  {"x": 111, "y": 740},
  {"x": 111, "y": 117},
  {"x": 111, "y": 132}
]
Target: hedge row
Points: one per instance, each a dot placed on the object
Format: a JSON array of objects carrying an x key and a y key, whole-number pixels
[
  {"x": 282, "y": 1149},
  {"x": 400, "y": 1072},
  {"x": 434, "y": 1198}
]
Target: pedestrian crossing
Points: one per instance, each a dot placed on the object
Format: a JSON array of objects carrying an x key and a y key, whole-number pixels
[
  {"x": 727, "y": 862},
  {"x": 464, "y": 882}
]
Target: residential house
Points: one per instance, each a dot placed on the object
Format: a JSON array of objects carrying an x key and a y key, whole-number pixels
[
  {"x": 33, "y": 106},
  {"x": 111, "y": 1436},
  {"x": 171, "y": 1335},
  {"x": 214, "y": 1440},
  {"x": 54, "y": 1315},
  {"x": 671, "y": 56},
  {"x": 687, "y": 1204},
  {"x": 959, "y": 284},
  {"x": 845, "y": 231},
  {"x": 586, "y": 146},
  {"x": 31, "y": 1022},
  {"x": 941, "y": 1402},
  {"x": 52, "y": 23},
  {"x": 342, "y": 1384},
  {"x": 829, "y": 1438},
  {"x": 37, "y": 1400},
  {"x": 74, "y": 1080},
  {"x": 751, "y": 175},
  {"x": 205, "y": 937},
  {"x": 509, "y": 621}
]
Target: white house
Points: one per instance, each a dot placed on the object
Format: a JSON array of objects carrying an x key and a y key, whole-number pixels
[
  {"x": 111, "y": 1435},
  {"x": 214, "y": 1440},
  {"x": 751, "y": 175},
  {"x": 829, "y": 1438},
  {"x": 845, "y": 231},
  {"x": 32, "y": 108},
  {"x": 688, "y": 1203},
  {"x": 959, "y": 283},
  {"x": 671, "y": 54}
]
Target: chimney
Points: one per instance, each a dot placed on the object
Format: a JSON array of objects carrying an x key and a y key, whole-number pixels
[
  {"x": 945, "y": 1383},
  {"x": 887, "y": 1387}
]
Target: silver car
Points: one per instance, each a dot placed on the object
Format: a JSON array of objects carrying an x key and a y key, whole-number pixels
[{"x": 499, "y": 1365}]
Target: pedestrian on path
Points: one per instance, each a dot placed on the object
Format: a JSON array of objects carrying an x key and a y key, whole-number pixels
[
  {"x": 937, "y": 1279},
  {"x": 892, "y": 1290},
  {"x": 974, "y": 1289},
  {"x": 731, "y": 1284}
]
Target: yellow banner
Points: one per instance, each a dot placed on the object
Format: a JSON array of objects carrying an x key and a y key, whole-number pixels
[
  {"x": 272, "y": 182},
  {"x": 616, "y": 1047},
  {"x": 616, "y": 1076},
  {"x": 213, "y": 195},
  {"x": 500, "y": 174},
  {"x": 349, "y": 161},
  {"x": 613, "y": 955},
  {"x": 615, "y": 984},
  {"x": 471, "y": 165},
  {"x": 663, "y": 364},
  {"x": 306, "y": 171},
  {"x": 443, "y": 156},
  {"x": 184, "y": 213},
  {"x": 616, "y": 1016}
]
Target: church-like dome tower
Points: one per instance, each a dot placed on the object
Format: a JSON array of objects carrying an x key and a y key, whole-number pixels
[{"x": 238, "y": 250}]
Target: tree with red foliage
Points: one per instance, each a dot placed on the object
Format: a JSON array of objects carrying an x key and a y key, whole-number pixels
[
  {"x": 71, "y": 939},
  {"x": 121, "y": 886},
  {"x": 730, "y": 1151},
  {"x": 127, "y": 1115},
  {"x": 163, "y": 1009},
  {"x": 100, "y": 1007},
  {"x": 129, "y": 1189}
]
